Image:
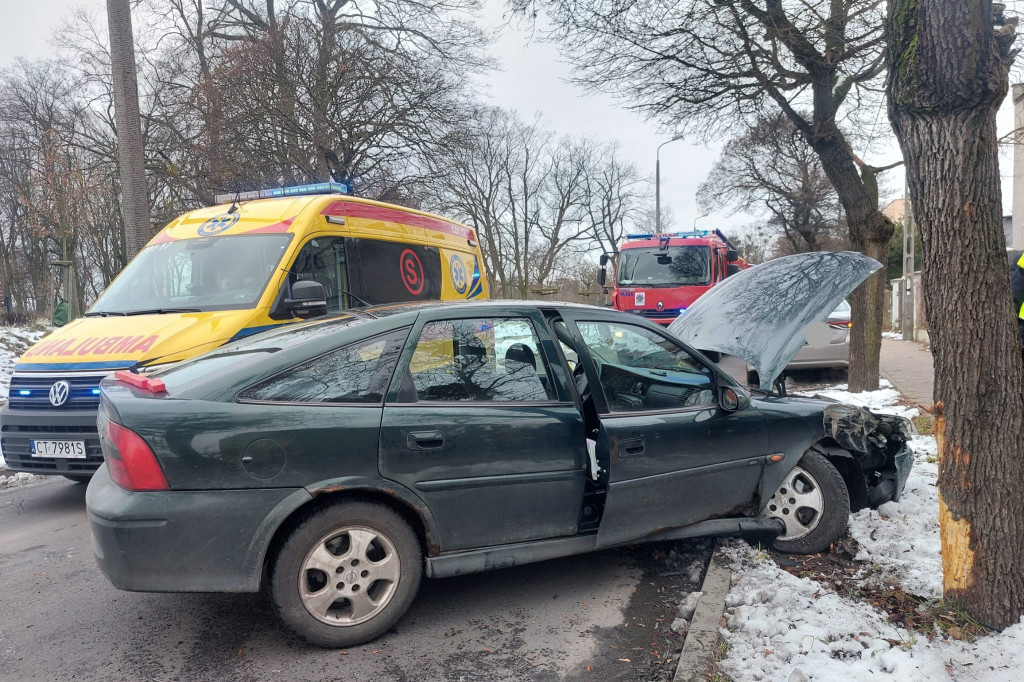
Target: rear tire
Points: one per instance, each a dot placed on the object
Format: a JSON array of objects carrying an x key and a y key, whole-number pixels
[
  {"x": 814, "y": 503},
  {"x": 78, "y": 478},
  {"x": 346, "y": 574}
]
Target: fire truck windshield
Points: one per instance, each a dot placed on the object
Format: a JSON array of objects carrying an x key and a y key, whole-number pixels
[{"x": 671, "y": 267}]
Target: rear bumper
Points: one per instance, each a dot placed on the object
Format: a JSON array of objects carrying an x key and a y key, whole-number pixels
[
  {"x": 19, "y": 427},
  {"x": 185, "y": 541}
]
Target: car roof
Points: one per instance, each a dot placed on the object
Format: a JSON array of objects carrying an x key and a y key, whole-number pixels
[{"x": 420, "y": 306}]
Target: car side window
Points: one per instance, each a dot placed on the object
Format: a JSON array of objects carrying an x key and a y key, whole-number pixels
[
  {"x": 322, "y": 259},
  {"x": 358, "y": 373},
  {"x": 642, "y": 370},
  {"x": 479, "y": 360}
]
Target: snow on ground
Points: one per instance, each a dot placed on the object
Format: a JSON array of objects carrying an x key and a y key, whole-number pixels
[
  {"x": 884, "y": 400},
  {"x": 895, "y": 336},
  {"x": 902, "y": 538},
  {"x": 13, "y": 342},
  {"x": 15, "y": 480},
  {"x": 778, "y": 623}
]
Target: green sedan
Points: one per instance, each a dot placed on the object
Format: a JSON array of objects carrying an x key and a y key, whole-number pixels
[{"x": 336, "y": 462}]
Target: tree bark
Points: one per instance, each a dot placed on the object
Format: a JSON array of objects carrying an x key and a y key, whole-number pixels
[{"x": 948, "y": 74}]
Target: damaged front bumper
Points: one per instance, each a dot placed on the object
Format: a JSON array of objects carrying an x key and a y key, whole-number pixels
[{"x": 879, "y": 443}]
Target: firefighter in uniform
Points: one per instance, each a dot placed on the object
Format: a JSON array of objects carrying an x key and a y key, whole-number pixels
[{"x": 1017, "y": 285}]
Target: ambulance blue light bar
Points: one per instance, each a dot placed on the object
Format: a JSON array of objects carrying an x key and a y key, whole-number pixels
[
  {"x": 694, "y": 233},
  {"x": 293, "y": 191}
]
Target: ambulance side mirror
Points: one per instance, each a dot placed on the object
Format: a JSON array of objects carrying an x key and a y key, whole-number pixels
[
  {"x": 308, "y": 299},
  {"x": 602, "y": 274}
]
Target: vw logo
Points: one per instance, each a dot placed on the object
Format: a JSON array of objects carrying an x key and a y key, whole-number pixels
[
  {"x": 59, "y": 393},
  {"x": 661, "y": 306}
]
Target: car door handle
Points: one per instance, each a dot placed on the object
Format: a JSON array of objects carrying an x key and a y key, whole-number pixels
[
  {"x": 425, "y": 440},
  {"x": 631, "y": 447}
]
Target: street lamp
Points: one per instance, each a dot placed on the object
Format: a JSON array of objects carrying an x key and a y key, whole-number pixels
[{"x": 657, "y": 183}]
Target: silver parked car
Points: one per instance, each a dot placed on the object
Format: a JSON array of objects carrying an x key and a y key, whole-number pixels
[{"x": 834, "y": 353}]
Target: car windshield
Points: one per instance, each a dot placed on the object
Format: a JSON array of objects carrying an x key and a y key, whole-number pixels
[
  {"x": 189, "y": 275},
  {"x": 672, "y": 267}
]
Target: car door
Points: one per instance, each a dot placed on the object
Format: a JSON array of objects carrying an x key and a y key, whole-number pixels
[
  {"x": 481, "y": 425},
  {"x": 675, "y": 457}
]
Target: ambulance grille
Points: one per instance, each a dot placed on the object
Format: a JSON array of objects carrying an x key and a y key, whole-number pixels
[{"x": 29, "y": 392}]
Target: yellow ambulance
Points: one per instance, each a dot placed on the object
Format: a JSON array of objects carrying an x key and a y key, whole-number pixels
[{"x": 254, "y": 261}]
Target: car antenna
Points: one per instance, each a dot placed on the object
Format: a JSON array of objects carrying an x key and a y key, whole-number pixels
[{"x": 349, "y": 293}]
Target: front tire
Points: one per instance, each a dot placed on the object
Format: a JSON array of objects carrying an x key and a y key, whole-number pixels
[
  {"x": 814, "y": 504},
  {"x": 346, "y": 574}
]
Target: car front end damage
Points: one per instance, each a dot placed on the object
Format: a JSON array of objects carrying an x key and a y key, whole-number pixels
[{"x": 878, "y": 443}]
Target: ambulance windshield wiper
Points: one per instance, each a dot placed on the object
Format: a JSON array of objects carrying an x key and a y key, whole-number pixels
[
  {"x": 102, "y": 313},
  {"x": 161, "y": 311}
]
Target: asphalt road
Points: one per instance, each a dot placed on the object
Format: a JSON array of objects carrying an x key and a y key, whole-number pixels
[{"x": 61, "y": 619}]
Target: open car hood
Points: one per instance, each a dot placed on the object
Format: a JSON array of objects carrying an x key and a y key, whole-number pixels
[{"x": 763, "y": 313}]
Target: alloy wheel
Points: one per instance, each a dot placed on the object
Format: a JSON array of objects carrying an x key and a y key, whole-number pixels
[
  {"x": 349, "y": 576},
  {"x": 798, "y": 502}
]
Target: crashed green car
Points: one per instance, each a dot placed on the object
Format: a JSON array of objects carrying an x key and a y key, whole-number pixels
[{"x": 334, "y": 463}]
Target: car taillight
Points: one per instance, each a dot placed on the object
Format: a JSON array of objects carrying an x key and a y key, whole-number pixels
[
  {"x": 132, "y": 464},
  {"x": 842, "y": 324}
]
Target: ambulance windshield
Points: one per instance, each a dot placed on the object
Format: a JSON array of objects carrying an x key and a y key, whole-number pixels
[
  {"x": 671, "y": 267},
  {"x": 188, "y": 275}
]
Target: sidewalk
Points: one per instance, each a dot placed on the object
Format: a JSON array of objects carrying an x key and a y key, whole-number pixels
[{"x": 908, "y": 365}]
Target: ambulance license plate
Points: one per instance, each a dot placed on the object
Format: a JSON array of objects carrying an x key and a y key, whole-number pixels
[{"x": 65, "y": 449}]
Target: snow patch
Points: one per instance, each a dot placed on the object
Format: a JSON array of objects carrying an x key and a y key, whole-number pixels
[
  {"x": 883, "y": 401},
  {"x": 18, "y": 479},
  {"x": 781, "y": 627},
  {"x": 894, "y": 336},
  {"x": 13, "y": 342},
  {"x": 902, "y": 538}
]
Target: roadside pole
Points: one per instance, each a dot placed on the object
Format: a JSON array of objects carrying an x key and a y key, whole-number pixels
[{"x": 907, "y": 307}]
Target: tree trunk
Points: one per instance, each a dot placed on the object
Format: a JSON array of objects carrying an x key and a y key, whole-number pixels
[
  {"x": 130, "y": 151},
  {"x": 870, "y": 233},
  {"x": 948, "y": 74}
]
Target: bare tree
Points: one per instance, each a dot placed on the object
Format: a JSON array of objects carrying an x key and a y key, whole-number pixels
[
  {"x": 771, "y": 171},
  {"x": 945, "y": 118},
  {"x": 713, "y": 66},
  {"x": 536, "y": 199}
]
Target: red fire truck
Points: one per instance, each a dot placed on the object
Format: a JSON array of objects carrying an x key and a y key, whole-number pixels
[{"x": 660, "y": 275}]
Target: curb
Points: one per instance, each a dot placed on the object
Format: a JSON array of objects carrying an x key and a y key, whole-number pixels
[{"x": 702, "y": 636}]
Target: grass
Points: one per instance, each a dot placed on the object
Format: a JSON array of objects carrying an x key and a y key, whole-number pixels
[
  {"x": 924, "y": 424},
  {"x": 713, "y": 674}
]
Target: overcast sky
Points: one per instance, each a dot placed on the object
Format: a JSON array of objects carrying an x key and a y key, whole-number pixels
[{"x": 533, "y": 79}]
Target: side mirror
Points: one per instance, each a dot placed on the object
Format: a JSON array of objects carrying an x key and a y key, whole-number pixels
[
  {"x": 308, "y": 299},
  {"x": 604, "y": 259},
  {"x": 731, "y": 399},
  {"x": 732, "y": 255},
  {"x": 602, "y": 276},
  {"x": 731, "y": 269}
]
